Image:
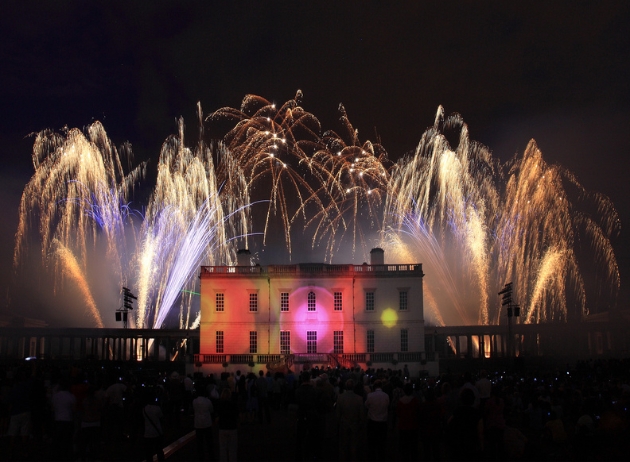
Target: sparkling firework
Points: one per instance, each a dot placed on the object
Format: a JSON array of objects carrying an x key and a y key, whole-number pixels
[
  {"x": 78, "y": 200},
  {"x": 452, "y": 209},
  {"x": 474, "y": 224}
]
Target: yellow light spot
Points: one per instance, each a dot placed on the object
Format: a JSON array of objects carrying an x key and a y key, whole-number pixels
[{"x": 389, "y": 318}]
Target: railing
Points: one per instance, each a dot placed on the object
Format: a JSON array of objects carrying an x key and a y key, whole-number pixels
[
  {"x": 311, "y": 269},
  {"x": 210, "y": 359},
  {"x": 346, "y": 360}
]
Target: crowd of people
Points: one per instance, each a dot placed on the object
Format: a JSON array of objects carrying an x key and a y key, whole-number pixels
[{"x": 88, "y": 412}]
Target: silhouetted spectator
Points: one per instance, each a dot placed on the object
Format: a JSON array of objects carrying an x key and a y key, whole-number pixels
[
  {"x": 203, "y": 409},
  {"x": 465, "y": 429},
  {"x": 153, "y": 434},
  {"x": 351, "y": 420},
  {"x": 407, "y": 411},
  {"x": 64, "y": 405},
  {"x": 227, "y": 418},
  {"x": 377, "y": 404}
]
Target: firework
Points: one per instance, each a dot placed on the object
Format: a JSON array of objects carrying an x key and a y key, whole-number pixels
[
  {"x": 474, "y": 223},
  {"x": 474, "y": 230}
]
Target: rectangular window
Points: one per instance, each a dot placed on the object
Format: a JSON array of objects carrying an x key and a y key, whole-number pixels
[
  {"x": 311, "y": 301},
  {"x": 338, "y": 302},
  {"x": 284, "y": 301},
  {"x": 285, "y": 342},
  {"x": 311, "y": 341},
  {"x": 219, "y": 340},
  {"x": 338, "y": 341},
  {"x": 369, "y": 301},
  {"x": 404, "y": 339},
  {"x": 253, "y": 341},
  {"x": 402, "y": 298},
  {"x": 253, "y": 302},
  {"x": 219, "y": 300},
  {"x": 370, "y": 341}
]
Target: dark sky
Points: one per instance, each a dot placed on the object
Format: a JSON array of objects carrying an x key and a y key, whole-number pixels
[{"x": 558, "y": 72}]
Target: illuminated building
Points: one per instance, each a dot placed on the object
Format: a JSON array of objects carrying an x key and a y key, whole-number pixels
[{"x": 326, "y": 315}]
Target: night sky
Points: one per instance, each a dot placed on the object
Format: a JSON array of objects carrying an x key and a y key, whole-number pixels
[{"x": 558, "y": 72}]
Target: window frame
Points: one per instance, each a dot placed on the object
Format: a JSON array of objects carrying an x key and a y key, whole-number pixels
[
  {"x": 338, "y": 342},
  {"x": 219, "y": 302},
  {"x": 285, "y": 342},
  {"x": 311, "y": 342},
  {"x": 311, "y": 302},
  {"x": 404, "y": 340},
  {"x": 219, "y": 338},
  {"x": 284, "y": 304},
  {"x": 253, "y": 342},
  {"x": 338, "y": 301},
  {"x": 370, "y": 300},
  {"x": 403, "y": 299}
]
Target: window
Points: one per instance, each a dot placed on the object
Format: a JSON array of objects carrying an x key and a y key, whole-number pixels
[
  {"x": 338, "y": 341},
  {"x": 369, "y": 301},
  {"x": 311, "y": 341},
  {"x": 402, "y": 300},
  {"x": 253, "y": 302},
  {"x": 338, "y": 306},
  {"x": 219, "y": 340},
  {"x": 404, "y": 339},
  {"x": 311, "y": 301},
  {"x": 219, "y": 300},
  {"x": 285, "y": 342},
  {"x": 284, "y": 301},
  {"x": 370, "y": 341},
  {"x": 253, "y": 341}
]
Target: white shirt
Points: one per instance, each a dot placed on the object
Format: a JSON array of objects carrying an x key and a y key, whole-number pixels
[
  {"x": 203, "y": 412},
  {"x": 377, "y": 404}
]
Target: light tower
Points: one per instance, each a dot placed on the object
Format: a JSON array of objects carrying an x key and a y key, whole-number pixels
[
  {"x": 512, "y": 310},
  {"x": 121, "y": 313}
]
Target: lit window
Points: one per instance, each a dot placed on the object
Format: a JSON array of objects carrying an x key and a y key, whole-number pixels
[
  {"x": 284, "y": 301},
  {"x": 370, "y": 341},
  {"x": 369, "y": 301},
  {"x": 311, "y": 301},
  {"x": 219, "y": 340},
  {"x": 311, "y": 341},
  {"x": 338, "y": 301},
  {"x": 253, "y": 341},
  {"x": 404, "y": 339},
  {"x": 285, "y": 342},
  {"x": 253, "y": 302},
  {"x": 338, "y": 341},
  {"x": 402, "y": 298},
  {"x": 220, "y": 301}
]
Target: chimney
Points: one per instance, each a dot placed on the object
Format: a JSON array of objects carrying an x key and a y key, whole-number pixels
[
  {"x": 377, "y": 256},
  {"x": 243, "y": 258}
]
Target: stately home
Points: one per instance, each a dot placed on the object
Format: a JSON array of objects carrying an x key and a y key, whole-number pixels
[{"x": 327, "y": 315}]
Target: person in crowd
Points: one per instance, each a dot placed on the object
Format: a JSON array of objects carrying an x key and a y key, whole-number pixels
[
  {"x": 64, "y": 406},
  {"x": 264, "y": 411},
  {"x": 465, "y": 429},
  {"x": 494, "y": 424},
  {"x": 90, "y": 426},
  {"x": 350, "y": 414},
  {"x": 153, "y": 433},
  {"x": 377, "y": 405},
  {"x": 431, "y": 425},
  {"x": 484, "y": 385},
  {"x": 407, "y": 412},
  {"x": 203, "y": 409},
  {"x": 19, "y": 406},
  {"x": 227, "y": 419}
]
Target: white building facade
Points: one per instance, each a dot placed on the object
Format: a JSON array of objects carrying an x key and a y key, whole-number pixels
[{"x": 339, "y": 315}]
